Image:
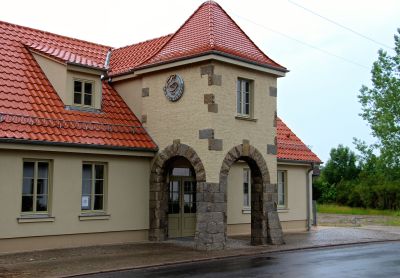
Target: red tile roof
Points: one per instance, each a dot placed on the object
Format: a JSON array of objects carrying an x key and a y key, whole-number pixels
[
  {"x": 208, "y": 30},
  {"x": 290, "y": 147},
  {"x": 127, "y": 58},
  {"x": 63, "y": 55},
  {"x": 31, "y": 110}
]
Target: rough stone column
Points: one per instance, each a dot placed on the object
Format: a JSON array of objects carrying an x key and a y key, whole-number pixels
[
  {"x": 211, "y": 217},
  {"x": 274, "y": 228},
  {"x": 258, "y": 217}
]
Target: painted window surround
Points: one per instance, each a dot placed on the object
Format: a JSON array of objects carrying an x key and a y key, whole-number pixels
[
  {"x": 35, "y": 215},
  {"x": 281, "y": 208},
  {"x": 92, "y": 212},
  {"x": 246, "y": 189},
  {"x": 282, "y": 189},
  {"x": 244, "y": 99},
  {"x": 46, "y": 216}
]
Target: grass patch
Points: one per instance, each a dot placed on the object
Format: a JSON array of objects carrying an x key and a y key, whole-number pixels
[
  {"x": 336, "y": 209},
  {"x": 393, "y": 222}
]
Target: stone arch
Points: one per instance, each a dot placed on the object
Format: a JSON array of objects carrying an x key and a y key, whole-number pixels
[
  {"x": 158, "y": 230},
  {"x": 265, "y": 224}
]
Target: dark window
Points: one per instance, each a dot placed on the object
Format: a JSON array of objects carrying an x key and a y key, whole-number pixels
[
  {"x": 93, "y": 180},
  {"x": 243, "y": 97},
  {"x": 83, "y": 93},
  {"x": 246, "y": 187},
  {"x": 35, "y": 186}
]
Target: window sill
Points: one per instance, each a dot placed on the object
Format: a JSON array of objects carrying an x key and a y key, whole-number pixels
[
  {"x": 283, "y": 210},
  {"x": 94, "y": 216},
  {"x": 32, "y": 218},
  {"x": 82, "y": 108},
  {"x": 246, "y": 211},
  {"x": 245, "y": 118}
]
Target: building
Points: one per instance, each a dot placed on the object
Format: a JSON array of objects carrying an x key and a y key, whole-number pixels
[{"x": 172, "y": 137}]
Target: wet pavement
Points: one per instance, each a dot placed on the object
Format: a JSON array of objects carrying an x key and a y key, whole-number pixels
[
  {"x": 367, "y": 260},
  {"x": 94, "y": 259}
]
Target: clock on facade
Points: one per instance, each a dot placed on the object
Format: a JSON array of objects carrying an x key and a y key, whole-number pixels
[{"x": 173, "y": 89}]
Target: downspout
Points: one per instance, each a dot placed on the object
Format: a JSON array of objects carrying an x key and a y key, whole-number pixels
[{"x": 309, "y": 196}]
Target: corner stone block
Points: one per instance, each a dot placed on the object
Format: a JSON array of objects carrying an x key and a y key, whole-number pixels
[
  {"x": 145, "y": 92},
  {"x": 207, "y": 70},
  {"x": 214, "y": 80},
  {"x": 273, "y": 92},
  {"x": 215, "y": 144},
  {"x": 213, "y": 108},
  {"x": 144, "y": 118},
  {"x": 206, "y": 133},
  {"x": 271, "y": 149},
  {"x": 209, "y": 98}
]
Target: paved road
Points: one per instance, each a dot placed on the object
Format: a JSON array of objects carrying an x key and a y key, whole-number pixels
[{"x": 369, "y": 260}]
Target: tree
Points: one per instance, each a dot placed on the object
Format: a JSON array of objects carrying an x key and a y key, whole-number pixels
[
  {"x": 381, "y": 103},
  {"x": 340, "y": 166}
]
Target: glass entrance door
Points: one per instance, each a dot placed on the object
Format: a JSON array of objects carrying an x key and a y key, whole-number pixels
[{"x": 181, "y": 207}]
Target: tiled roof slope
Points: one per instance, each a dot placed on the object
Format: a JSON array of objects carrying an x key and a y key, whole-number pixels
[
  {"x": 208, "y": 30},
  {"x": 290, "y": 147},
  {"x": 63, "y": 55},
  {"x": 129, "y": 57},
  {"x": 30, "y": 109}
]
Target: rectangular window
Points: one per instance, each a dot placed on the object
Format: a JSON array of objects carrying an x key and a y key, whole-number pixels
[
  {"x": 243, "y": 97},
  {"x": 93, "y": 186},
  {"x": 35, "y": 186},
  {"x": 83, "y": 92},
  {"x": 282, "y": 189},
  {"x": 246, "y": 188}
]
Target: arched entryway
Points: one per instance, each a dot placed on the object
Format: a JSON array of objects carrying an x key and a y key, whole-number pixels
[
  {"x": 177, "y": 166},
  {"x": 182, "y": 206},
  {"x": 265, "y": 224}
]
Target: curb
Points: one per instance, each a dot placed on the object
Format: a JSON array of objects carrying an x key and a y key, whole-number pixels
[{"x": 250, "y": 254}]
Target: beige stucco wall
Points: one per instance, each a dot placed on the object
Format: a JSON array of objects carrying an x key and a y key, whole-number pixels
[
  {"x": 131, "y": 92},
  {"x": 293, "y": 217},
  {"x": 62, "y": 79},
  {"x": 183, "y": 119},
  {"x": 127, "y": 204},
  {"x": 297, "y": 192},
  {"x": 56, "y": 73}
]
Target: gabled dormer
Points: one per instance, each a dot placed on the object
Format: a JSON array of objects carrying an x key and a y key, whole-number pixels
[{"x": 76, "y": 79}]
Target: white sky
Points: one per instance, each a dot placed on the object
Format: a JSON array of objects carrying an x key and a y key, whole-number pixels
[{"x": 317, "y": 98}]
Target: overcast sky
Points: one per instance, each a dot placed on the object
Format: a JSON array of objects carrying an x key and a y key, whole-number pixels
[{"x": 317, "y": 98}]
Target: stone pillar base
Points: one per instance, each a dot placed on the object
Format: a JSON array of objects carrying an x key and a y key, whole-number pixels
[{"x": 211, "y": 217}]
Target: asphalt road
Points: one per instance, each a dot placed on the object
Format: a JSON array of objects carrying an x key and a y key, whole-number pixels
[{"x": 369, "y": 260}]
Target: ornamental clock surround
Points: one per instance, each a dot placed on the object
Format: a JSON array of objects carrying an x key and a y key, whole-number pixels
[{"x": 173, "y": 89}]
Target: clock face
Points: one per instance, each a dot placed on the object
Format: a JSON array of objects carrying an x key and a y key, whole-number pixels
[{"x": 173, "y": 89}]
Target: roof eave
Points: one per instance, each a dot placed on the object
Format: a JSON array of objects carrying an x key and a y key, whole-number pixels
[
  {"x": 79, "y": 145},
  {"x": 294, "y": 161},
  {"x": 101, "y": 70},
  {"x": 212, "y": 52}
]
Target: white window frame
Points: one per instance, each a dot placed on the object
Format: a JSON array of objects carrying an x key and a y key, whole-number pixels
[
  {"x": 82, "y": 92},
  {"x": 241, "y": 93},
  {"x": 92, "y": 188},
  {"x": 35, "y": 185},
  {"x": 246, "y": 205},
  {"x": 283, "y": 185}
]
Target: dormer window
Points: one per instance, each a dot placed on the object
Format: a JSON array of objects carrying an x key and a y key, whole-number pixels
[{"x": 83, "y": 92}]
